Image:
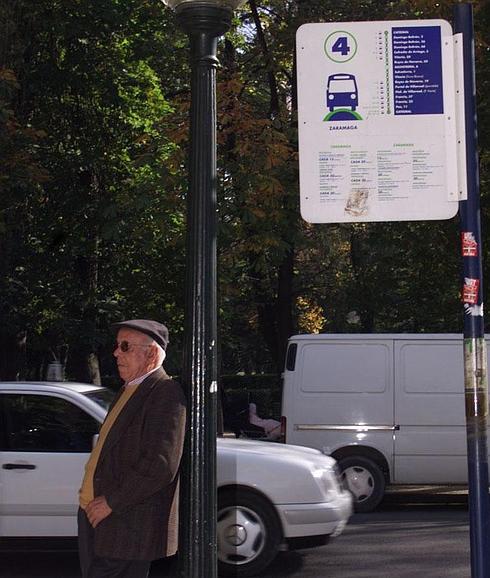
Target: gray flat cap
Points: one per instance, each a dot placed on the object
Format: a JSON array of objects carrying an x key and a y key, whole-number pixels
[{"x": 153, "y": 329}]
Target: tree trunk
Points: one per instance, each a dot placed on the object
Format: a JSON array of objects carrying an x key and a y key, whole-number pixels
[
  {"x": 363, "y": 288},
  {"x": 83, "y": 363},
  {"x": 12, "y": 355},
  {"x": 284, "y": 308}
]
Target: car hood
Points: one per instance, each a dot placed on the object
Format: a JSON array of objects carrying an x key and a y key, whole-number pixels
[
  {"x": 272, "y": 450},
  {"x": 247, "y": 445},
  {"x": 284, "y": 473}
]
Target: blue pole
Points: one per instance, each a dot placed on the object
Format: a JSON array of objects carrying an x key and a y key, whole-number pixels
[{"x": 475, "y": 357}]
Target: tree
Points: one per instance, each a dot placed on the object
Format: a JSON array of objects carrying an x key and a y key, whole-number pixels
[
  {"x": 87, "y": 86},
  {"x": 94, "y": 101},
  {"x": 373, "y": 277}
]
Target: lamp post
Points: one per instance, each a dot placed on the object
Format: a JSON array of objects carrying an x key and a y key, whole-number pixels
[{"x": 204, "y": 22}]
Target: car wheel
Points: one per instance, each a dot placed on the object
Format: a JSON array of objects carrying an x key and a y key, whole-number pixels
[
  {"x": 365, "y": 480},
  {"x": 249, "y": 533}
]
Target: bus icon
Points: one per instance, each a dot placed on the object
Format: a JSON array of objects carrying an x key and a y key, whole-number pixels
[{"x": 342, "y": 92}]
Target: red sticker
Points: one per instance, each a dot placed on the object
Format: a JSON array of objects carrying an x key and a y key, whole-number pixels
[
  {"x": 469, "y": 245},
  {"x": 470, "y": 290}
]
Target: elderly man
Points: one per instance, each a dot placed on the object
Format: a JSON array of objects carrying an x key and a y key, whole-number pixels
[{"x": 129, "y": 495}]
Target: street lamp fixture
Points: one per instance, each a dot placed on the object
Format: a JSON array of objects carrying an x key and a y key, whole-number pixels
[
  {"x": 204, "y": 22},
  {"x": 209, "y": 17}
]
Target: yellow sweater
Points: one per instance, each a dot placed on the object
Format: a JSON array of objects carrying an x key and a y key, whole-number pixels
[{"x": 86, "y": 492}]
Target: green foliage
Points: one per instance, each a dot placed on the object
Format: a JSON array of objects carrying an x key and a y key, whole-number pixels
[
  {"x": 99, "y": 226},
  {"x": 373, "y": 277},
  {"x": 94, "y": 103},
  {"x": 265, "y": 390}
]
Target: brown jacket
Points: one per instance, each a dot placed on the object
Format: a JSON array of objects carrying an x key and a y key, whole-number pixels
[{"x": 137, "y": 472}]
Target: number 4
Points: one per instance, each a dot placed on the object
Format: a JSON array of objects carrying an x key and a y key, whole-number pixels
[{"x": 341, "y": 45}]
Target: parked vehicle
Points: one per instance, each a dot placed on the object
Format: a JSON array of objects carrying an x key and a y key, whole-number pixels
[
  {"x": 270, "y": 496},
  {"x": 389, "y": 408}
]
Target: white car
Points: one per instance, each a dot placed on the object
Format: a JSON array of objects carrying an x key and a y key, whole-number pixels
[{"x": 270, "y": 496}]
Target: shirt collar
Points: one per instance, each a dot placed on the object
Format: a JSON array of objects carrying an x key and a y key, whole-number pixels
[{"x": 141, "y": 378}]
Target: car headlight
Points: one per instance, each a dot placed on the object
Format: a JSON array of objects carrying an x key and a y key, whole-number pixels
[
  {"x": 353, "y": 96},
  {"x": 330, "y": 97},
  {"x": 327, "y": 482}
]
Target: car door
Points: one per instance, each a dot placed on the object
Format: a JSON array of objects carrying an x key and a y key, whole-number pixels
[{"x": 45, "y": 441}]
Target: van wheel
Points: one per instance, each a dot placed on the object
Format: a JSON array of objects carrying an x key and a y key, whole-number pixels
[{"x": 365, "y": 480}]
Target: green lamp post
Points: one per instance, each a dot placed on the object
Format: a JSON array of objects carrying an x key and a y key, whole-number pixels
[{"x": 204, "y": 22}]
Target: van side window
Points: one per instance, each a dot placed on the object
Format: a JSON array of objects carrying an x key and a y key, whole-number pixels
[{"x": 291, "y": 357}]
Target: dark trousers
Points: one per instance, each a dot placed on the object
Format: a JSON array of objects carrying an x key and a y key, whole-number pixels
[{"x": 95, "y": 567}]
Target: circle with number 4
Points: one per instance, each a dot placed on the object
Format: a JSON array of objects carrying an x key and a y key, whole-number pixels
[{"x": 340, "y": 46}]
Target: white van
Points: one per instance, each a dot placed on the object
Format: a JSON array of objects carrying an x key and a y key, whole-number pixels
[{"x": 389, "y": 408}]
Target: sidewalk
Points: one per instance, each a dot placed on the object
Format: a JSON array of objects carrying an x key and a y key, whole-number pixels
[{"x": 437, "y": 494}]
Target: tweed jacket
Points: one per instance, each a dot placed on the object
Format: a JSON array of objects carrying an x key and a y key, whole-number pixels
[{"x": 138, "y": 473}]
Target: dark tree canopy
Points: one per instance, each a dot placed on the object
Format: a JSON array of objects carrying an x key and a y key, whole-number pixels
[{"x": 94, "y": 100}]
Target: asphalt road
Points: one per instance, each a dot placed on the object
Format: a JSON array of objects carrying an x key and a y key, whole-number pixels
[
  {"x": 410, "y": 535},
  {"x": 421, "y": 541}
]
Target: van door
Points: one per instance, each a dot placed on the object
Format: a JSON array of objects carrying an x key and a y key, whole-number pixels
[
  {"x": 341, "y": 394},
  {"x": 430, "y": 444}
]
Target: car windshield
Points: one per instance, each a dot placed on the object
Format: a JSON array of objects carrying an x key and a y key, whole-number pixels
[{"x": 103, "y": 397}]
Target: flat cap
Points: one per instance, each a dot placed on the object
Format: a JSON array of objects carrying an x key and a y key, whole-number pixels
[{"x": 153, "y": 329}]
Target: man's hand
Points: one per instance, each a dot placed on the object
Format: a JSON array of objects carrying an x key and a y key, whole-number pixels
[{"x": 97, "y": 510}]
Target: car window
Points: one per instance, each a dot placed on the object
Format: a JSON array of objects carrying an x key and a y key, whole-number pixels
[
  {"x": 41, "y": 423},
  {"x": 103, "y": 397}
]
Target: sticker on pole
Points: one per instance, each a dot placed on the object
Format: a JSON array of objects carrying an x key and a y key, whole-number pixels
[
  {"x": 469, "y": 246},
  {"x": 377, "y": 121},
  {"x": 470, "y": 290}
]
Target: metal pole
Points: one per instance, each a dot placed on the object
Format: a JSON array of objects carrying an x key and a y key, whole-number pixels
[
  {"x": 475, "y": 357},
  {"x": 198, "y": 548}
]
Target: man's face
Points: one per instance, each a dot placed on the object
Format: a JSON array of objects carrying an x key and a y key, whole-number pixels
[{"x": 138, "y": 359}]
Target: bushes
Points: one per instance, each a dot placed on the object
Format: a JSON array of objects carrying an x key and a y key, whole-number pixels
[{"x": 238, "y": 391}]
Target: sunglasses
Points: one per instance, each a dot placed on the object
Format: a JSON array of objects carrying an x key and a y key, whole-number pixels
[{"x": 125, "y": 346}]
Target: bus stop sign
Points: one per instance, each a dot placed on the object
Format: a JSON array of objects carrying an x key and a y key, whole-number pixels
[{"x": 378, "y": 126}]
